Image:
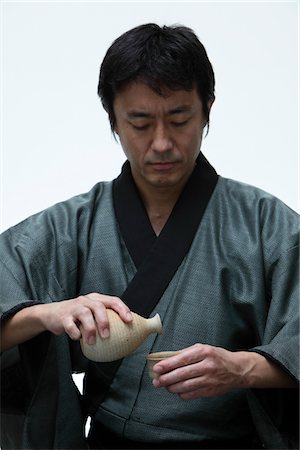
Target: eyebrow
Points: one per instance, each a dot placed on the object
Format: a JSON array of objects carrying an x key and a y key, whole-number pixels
[{"x": 135, "y": 114}]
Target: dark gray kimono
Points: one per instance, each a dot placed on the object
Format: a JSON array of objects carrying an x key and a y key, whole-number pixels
[{"x": 242, "y": 270}]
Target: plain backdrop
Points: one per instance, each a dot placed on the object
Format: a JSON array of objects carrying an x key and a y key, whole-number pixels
[{"x": 55, "y": 137}]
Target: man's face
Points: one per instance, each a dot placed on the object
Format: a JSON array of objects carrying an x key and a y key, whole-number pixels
[{"x": 160, "y": 135}]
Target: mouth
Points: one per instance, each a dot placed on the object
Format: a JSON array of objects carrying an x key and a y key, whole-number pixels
[{"x": 162, "y": 166}]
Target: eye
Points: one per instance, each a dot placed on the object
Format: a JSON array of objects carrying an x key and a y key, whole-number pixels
[
  {"x": 140, "y": 127},
  {"x": 180, "y": 124}
]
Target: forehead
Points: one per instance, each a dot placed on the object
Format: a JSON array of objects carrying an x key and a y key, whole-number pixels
[{"x": 138, "y": 97}]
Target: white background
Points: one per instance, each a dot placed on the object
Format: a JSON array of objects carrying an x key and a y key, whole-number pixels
[{"x": 55, "y": 137}]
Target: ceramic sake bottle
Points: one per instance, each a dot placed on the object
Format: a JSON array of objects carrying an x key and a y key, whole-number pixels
[{"x": 124, "y": 337}]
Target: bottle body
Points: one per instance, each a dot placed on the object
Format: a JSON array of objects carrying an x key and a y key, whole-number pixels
[{"x": 124, "y": 337}]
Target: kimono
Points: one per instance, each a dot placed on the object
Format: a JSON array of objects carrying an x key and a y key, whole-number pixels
[{"x": 235, "y": 287}]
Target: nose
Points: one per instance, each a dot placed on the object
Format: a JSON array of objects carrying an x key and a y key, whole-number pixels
[{"x": 161, "y": 141}]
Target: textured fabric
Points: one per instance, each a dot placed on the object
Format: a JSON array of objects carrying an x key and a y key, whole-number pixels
[
  {"x": 48, "y": 257},
  {"x": 155, "y": 257},
  {"x": 110, "y": 440},
  {"x": 241, "y": 268},
  {"x": 221, "y": 295}
]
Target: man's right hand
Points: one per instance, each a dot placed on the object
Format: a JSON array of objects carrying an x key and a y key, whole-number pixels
[{"x": 86, "y": 314}]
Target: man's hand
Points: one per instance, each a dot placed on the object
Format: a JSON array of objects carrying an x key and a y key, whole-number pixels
[
  {"x": 86, "y": 311},
  {"x": 85, "y": 314},
  {"x": 207, "y": 371}
]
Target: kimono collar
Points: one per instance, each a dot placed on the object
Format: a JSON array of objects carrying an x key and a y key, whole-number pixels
[{"x": 132, "y": 217}]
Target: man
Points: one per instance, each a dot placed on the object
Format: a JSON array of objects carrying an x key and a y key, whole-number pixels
[{"x": 216, "y": 258}]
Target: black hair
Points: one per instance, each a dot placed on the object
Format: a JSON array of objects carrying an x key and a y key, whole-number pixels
[{"x": 167, "y": 56}]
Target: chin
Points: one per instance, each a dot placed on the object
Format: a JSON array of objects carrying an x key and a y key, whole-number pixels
[{"x": 164, "y": 182}]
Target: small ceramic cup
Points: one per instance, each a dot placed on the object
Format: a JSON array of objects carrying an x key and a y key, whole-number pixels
[{"x": 154, "y": 358}]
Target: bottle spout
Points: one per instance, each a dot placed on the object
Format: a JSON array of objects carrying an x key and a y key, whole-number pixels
[{"x": 155, "y": 324}]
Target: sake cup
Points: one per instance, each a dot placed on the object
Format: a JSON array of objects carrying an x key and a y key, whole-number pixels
[{"x": 154, "y": 358}]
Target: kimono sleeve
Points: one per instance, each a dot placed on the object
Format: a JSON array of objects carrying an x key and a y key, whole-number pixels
[
  {"x": 13, "y": 297},
  {"x": 281, "y": 335},
  {"x": 40, "y": 404},
  {"x": 276, "y": 411}
]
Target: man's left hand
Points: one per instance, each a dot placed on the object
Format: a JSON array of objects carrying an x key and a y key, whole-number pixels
[{"x": 207, "y": 371}]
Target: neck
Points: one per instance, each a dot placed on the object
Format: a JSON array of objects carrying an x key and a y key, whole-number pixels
[
  {"x": 159, "y": 201},
  {"x": 159, "y": 204}
]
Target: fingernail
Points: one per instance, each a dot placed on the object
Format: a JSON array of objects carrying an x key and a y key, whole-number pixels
[
  {"x": 105, "y": 333},
  {"x": 129, "y": 316},
  {"x": 156, "y": 383},
  {"x": 157, "y": 369},
  {"x": 91, "y": 340}
]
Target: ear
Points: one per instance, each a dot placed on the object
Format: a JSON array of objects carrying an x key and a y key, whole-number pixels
[
  {"x": 115, "y": 130},
  {"x": 210, "y": 103}
]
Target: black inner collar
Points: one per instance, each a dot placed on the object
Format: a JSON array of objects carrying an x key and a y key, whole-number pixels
[{"x": 158, "y": 257}]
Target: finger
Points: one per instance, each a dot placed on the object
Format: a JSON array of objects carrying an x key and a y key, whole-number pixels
[
  {"x": 182, "y": 380},
  {"x": 102, "y": 321},
  {"x": 168, "y": 365},
  {"x": 119, "y": 306},
  {"x": 98, "y": 305},
  {"x": 101, "y": 317},
  {"x": 91, "y": 313},
  {"x": 114, "y": 303},
  {"x": 197, "y": 387},
  {"x": 186, "y": 386},
  {"x": 72, "y": 329},
  {"x": 185, "y": 357},
  {"x": 87, "y": 325}
]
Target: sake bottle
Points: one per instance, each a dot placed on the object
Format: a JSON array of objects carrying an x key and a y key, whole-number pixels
[{"x": 124, "y": 337}]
